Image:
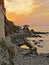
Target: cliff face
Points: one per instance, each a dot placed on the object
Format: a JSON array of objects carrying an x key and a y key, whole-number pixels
[
  {"x": 2, "y": 3},
  {"x": 2, "y": 32},
  {"x": 6, "y": 26}
]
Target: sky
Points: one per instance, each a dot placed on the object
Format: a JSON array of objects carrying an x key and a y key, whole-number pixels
[{"x": 31, "y": 12}]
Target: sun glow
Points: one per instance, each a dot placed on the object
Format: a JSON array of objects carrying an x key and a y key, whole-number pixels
[
  {"x": 30, "y": 12},
  {"x": 19, "y": 6}
]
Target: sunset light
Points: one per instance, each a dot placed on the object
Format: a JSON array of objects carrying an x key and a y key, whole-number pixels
[
  {"x": 25, "y": 11},
  {"x": 19, "y": 6}
]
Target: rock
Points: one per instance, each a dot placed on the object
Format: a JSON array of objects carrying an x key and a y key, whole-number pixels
[
  {"x": 10, "y": 54},
  {"x": 27, "y": 32},
  {"x": 10, "y": 28}
]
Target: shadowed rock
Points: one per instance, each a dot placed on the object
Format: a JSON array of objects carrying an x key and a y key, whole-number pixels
[
  {"x": 23, "y": 41},
  {"x": 35, "y": 32}
]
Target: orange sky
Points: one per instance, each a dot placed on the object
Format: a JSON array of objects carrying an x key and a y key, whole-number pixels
[{"x": 39, "y": 14}]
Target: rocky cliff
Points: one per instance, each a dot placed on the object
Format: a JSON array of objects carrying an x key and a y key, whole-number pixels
[{"x": 10, "y": 28}]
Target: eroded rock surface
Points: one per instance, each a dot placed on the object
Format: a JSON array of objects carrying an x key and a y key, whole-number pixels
[{"x": 11, "y": 54}]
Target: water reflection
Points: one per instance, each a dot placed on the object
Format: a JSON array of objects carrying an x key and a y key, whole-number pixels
[
  {"x": 43, "y": 41},
  {"x": 42, "y": 44}
]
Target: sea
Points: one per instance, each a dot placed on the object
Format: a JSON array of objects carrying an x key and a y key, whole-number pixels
[{"x": 45, "y": 37}]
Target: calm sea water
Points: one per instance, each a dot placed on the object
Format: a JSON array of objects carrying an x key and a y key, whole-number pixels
[
  {"x": 40, "y": 28},
  {"x": 45, "y": 38}
]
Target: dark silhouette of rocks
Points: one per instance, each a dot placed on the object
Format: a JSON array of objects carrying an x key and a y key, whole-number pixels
[
  {"x": 47, "y": 56},
  {"x": 29, "y": 33},
  {"x": 34, "y": 35},
  {"x": 26, "y": 26},
  {"x": 40, "y": 40},
  {"x": 35, "y": 32},
  {"x": 26, "y": 30},
  {"x": 10, "y": 28}
]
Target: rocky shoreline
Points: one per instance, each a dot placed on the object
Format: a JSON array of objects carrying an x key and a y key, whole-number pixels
[{"x": 11, "y": 54}]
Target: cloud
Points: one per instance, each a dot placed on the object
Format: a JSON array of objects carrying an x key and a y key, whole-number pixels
[
  {"x": 18, "y": 6},
  {"x": 40, "y": 15}
]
